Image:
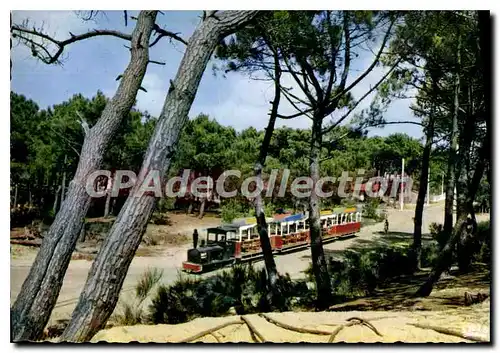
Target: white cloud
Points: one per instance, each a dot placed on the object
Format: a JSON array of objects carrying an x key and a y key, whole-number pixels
[{"x": 56, "y": 24}]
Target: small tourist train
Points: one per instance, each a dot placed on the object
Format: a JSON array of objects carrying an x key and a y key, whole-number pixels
[{"x": 239, "y": 241}]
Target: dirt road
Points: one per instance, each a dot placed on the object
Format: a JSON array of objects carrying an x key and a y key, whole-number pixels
[{"x": 400, "y": 225}]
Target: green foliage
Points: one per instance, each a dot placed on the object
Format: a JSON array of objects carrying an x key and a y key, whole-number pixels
[
  {"x": 232, "y": 208},
  {"x": 429, "y": 254},
  {"x": 148, "y": 280},
  {"x": 242, "y": 287},
  {"x": 438, "y": 234},
  {"x": 370, "y": 208},
  {"x": 160, "y": 219},
  {"x": 360, "y": 271},
  {"x": 133, "y": 312},
  {"x": 481, "y": 245},
  {"x": 47, "y": 143}
]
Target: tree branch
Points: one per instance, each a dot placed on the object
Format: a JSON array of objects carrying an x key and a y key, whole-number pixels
[
  {"x": 296, "y": 78},
  {"x": 164, "y": 33},
  {"x": 49, "y": 58},
  {"x": 370, "y": 68},
  {"x": 362, "y": 98},
  {"x": 347, "y": 62}
]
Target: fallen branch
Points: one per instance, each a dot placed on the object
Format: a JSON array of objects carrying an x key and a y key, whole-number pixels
[
  {"x": 23, "y": 237},
  {"x": 253, "y": 330},
  {"x": 353, "y": 321},
  {"x": 451, "y": 332},
  {"x": 211, "y": 330},
  {"x": 25, "y": 242},
  {"x": 294, "y": 328}
]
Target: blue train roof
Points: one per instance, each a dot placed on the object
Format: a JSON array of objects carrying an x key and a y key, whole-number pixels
[{"x": 291, "y": 218}]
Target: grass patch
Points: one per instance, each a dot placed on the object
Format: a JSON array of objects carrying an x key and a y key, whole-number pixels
[{"x": 133, "y": 312}]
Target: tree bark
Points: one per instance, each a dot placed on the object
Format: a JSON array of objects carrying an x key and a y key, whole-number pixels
[
  {"x": 444, "y": 258},
  {"x": 15, "y": 196},
  {"x": 104, "y": 282},
  {"x": 267, "y": 251},
  {"x": 452, "y": 159},
  {"x": 320, "y": 270},
  {"x": 56, "y": 199},
  {"x": 40, "y": 290},
  {"x": 422, "y": 191},
  {"x": 108, "y": 202}
]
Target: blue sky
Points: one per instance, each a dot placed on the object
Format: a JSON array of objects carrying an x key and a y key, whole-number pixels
[{"x": 95, "y": 63}]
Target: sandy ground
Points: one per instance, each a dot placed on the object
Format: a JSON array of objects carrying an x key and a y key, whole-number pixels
[
  {"x": 170, "y": 259},
  {"x": 390, "y": 327}
]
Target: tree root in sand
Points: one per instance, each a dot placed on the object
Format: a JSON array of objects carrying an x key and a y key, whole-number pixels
[
  {"x": 353, "y": 321},
  {"x": 452, "y": 332},
  {"x": 259, "y": 338},
  {"x": 294, "y": 328},
  {"x": 256, "y": 335},
  {"x": 212, "y": 330}
]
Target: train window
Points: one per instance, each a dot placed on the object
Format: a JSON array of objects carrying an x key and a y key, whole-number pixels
[
  {"x": 292, "y": 228},
  {"x": 232, "y": 236},
  {"x": 211, "y": 237}
]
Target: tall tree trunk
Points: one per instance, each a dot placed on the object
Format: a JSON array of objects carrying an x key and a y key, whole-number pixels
[
  {"x": 320, "y": 270},
  {"x": 485, "y": 45},
  {"x": 40, "y": 290},
  {"x": 108, "y": 197},
  {"x": 445, "y": 255},
  {"x": 422, "y": 191},
  {"x": 267, "y": 251},
  {"x": 108, "y": 202},
  {"x": 56, "y": 199},
  {"x": 104, "y": 282},
  {"x": 15, "y": 195},
  {"x": 452, "y": 159}
]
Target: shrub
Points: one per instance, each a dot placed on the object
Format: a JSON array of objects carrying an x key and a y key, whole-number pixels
[
  {"x": 429, "y": 254},
  {"x": 437, "y": 233},
  {"x": 370, "y": 209},
  {"x": 232, "y": 209},
  {"x": 165, "y": 204},
  {"x": 160, "y": 219},
  {"x": 132, "y": 313},
  {"x": 242, "y": 287},
  {"x": 359, "y": 272},
  {"x": 482, "y": 243}
]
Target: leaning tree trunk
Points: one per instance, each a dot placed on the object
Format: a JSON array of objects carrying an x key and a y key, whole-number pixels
[
  {"x": 100, "y": 294},
  {"x": 445, "y": 255},
  {"x": 452, "y": 159},
  {"x": 267, "y": 251},
  {"x": 320, "y": 270},
  {"x": 32, "y": 308},
  {"x": 422, "y": 191}
]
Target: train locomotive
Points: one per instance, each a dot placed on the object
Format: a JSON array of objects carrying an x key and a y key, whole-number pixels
[{"x": 239, "y": 241}]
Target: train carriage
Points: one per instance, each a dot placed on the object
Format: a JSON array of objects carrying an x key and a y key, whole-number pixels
[{"x": 240, "y": 241}]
